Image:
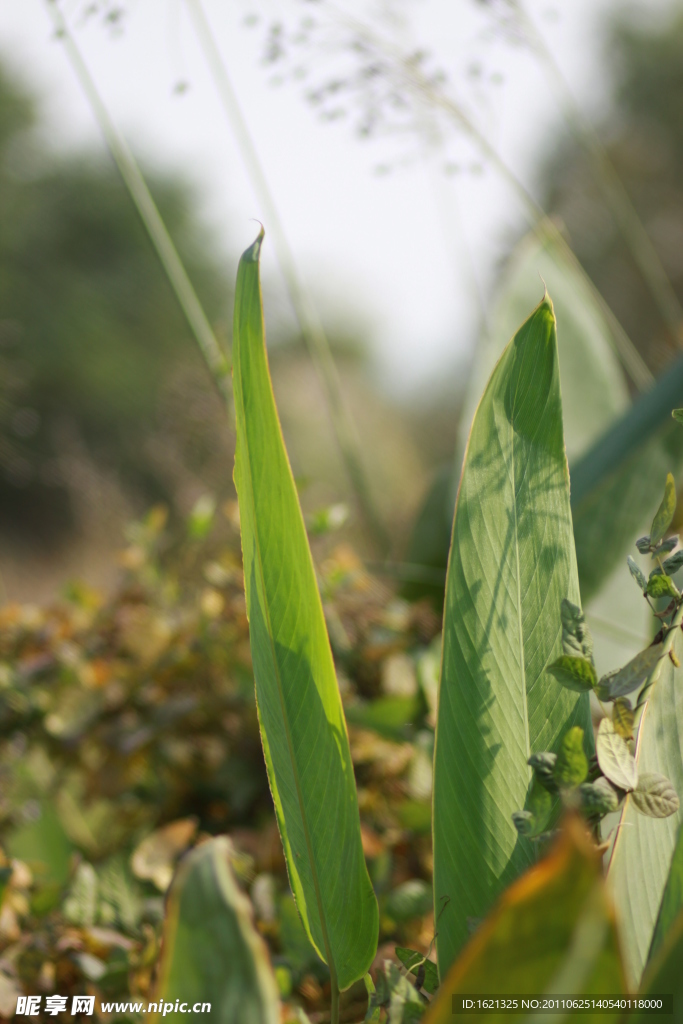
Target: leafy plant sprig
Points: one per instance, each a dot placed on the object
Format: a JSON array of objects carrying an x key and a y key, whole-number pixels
[{"x": 598, "y": 787}]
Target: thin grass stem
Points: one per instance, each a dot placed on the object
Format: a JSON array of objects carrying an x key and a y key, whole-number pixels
[
  {"x": 149, "y": 214},
  {"x": 306, "y": 314}
]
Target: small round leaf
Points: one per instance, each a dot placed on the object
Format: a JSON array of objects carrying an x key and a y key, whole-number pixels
[{"x": 655, "y": 796}]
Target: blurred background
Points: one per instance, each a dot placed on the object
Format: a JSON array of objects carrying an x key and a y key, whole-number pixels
[
  {"x": 365, "y": 121},
  {"x": 422, "y": 168}
]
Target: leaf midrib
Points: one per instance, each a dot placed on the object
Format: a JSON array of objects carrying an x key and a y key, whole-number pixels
[
  {"x": 290, "y": 746},
  {"x": 527, "y": 738}
]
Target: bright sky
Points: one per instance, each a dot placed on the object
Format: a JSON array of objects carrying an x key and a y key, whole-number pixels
[{"x": 402, "y": 253}]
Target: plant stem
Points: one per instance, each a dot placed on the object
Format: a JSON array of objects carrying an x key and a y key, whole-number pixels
[
  {"x": 334, "y": 999},
  {"x": 149, "y": 214},
  {"x": 306, "y": 314}
]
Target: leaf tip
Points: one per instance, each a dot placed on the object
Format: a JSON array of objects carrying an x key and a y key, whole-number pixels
[{"x": 253, "y": 253}]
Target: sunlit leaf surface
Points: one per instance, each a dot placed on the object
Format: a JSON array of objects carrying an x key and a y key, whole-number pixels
[
  {"x": 300, "y": 713},
  {"x": 511, "y": 565}
]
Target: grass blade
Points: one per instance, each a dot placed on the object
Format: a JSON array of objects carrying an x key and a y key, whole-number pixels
[
  {"x": 300, "y": 713},
  {"x": 552, "y": 933},
  {"x": 511, "y": 564},
  {"x": 211, "y": 951}
]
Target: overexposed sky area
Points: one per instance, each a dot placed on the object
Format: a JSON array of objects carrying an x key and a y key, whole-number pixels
[{"x": 404, "y": 250}]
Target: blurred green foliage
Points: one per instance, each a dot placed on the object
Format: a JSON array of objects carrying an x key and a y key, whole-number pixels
[
  {"x": 91, "y": 335},
  {"x": 643, "y": 136}
]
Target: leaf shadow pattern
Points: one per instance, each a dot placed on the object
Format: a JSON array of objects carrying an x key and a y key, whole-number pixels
[{"x": 511, "y": 563}]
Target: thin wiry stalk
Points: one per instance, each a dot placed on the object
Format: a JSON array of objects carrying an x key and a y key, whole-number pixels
[
  {"x": 625, "y": 215},
  {"x": 309, "y": 322},
  {"x": 149, "y": 214},
  {"x": 414, "y": 80}
]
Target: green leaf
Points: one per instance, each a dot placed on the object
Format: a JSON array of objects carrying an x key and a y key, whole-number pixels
[
  {"x": 615, "y": 484},
  {"x": 623, "y": 717},
  {"x": 551, "y": 932},
  {"x": 420, "y": 966},
  {"x": 511, "y": 565},
  {"x": 671, "y": 565},
  {"x": 664, "y": 974},
  {"x": 615, "y": 759},
  {"x": 644, "y": 847},
  {"x": 655, "y": 796},
  {"x": 599, "y": 797},
  {"x": 211, "y": 951},
  {"x": 637, "y": 573},
  {"x": 665, "y": 512},
  {"x": 594, "y": 390},
  {"x": 643, "y": 544},
  {"x": 534, "y": 819},
  {"x": 662, "y": 586},
  {"x": 300, "y": 713},
  {"x": 677, "y": 415},
  {"x": 406, "y": 1005},
  {"x": 632, "y": 676},
  {"x": 576, "y": 637},
  {"x": 576, "y": 674},
  {"x": 672, "y": 900},
  {"x": 572, "y": 765}
]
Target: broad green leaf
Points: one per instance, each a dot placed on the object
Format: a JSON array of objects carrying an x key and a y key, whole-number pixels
[
  {"x": 623, "y": 717},
  {"x": 594, "y": 390},
  {"x": 511, "y": 566},
  {"x": 576, "y": 637},
  {"x": 664, "y": 975},
  {"x": 617, "y": 484},
  {"x": 300, "y": 713},
  {"x": 672, "y": 901},
  {"x": 665, "y": 512},
  {"x": 615, "y": 759},
  {"x": 637, "y": 573},
  {"x": 576, "y": 674},
  {"x": 644, "y": 847},
  {"x": 211, "y": 951},
  {"x": 572, "y": 765},
  {"x": 552, "y": 932},
  {"x": 599, "y": 797},
  {"x": 662, "y": 586},
  {"x": 632, "y": 676},
  {"x": 420, "y": 966},
  {"x": 655, "y": 796}
]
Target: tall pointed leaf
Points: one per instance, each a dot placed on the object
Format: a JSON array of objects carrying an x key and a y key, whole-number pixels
[
  {"x": 552, "y": 933},
  {"x": 617, "y": 485},
  {"x": 664, "y": 975},
  {"x": 644, "y": 847},
  {"x": 211, "y": 951},
  {"x": 511, "y": 564},
  {"x": 594, "y": 389},
  {"x": 300, "y": 713},
  {"x": 672, "y": 901}
]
